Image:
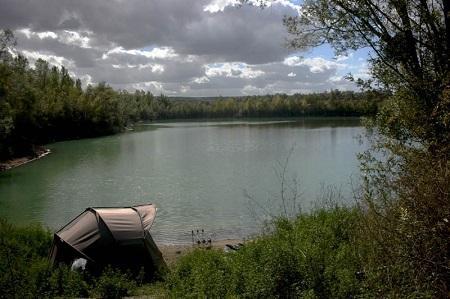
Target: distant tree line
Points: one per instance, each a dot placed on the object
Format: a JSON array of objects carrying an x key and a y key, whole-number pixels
[
  {"x": 42, "y": 104},
  {"x": 334, "y": 103}
]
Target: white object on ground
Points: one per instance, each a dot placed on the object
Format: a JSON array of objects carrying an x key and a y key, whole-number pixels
[{"x": 79, "y": 264}]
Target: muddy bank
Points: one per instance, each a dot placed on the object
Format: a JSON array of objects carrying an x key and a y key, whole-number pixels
[
  {"x": 173, "y": 252},
  {"x": 16, "y": 162}
]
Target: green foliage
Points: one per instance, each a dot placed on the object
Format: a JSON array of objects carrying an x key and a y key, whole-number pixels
[
  {"x": 334, "y": 103},
  {"x": 114, "y": 284},
  {"x": 26, "y": 272},
  {"x": 406, "y": 232},
  {"x": 18, "y": 248},
  {"x": 201, "y": 274},
  {"x": 410, "y": 41},
  {"x": 43, "y": 104},
  {"x": 312, "y": 256},
  {"x": 405, "y": 193},
  {"x": 407, "y": 202}
]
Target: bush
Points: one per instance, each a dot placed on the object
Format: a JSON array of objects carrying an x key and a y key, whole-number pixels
[
  {"x": 312, "y": 256},
  {"x": 406, "y": 237},
  {"x": 23, "y": 251},
  {"x": 26, "y": 272},
  {"x": 201, "y": 274},
  {"x": 114, "y": 284}
]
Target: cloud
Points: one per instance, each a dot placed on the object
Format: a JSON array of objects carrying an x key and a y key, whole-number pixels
[
  {"x": 234, "y": 69},
  {"x": 201, "y": 80},
  {"x": 220, "y": 5},
  {"x": 155, "y": 68},
  {"x": 160, "y": 53},
  {"x": 74, "y": 38},
  {"x": 315, "y": 64},
  {"x": 191, "y": 47},
  {"x": 52, "y": 59}
]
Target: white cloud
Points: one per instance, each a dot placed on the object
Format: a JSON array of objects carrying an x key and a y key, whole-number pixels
[
  {"x": 185, "y": 88},
  {"x": 155, "y": 67},
  {"x": 201, "y": 80},
  {"x": 155, "y": 53},
  {"x": 233, "y": 70},
  {"x": 41, "y": 35},
  {"x": 270, "y": 88},
  {"x": 315, "y": 64},
  {"x": 362, "y": 72},
  {"x": 26, "y": 31},
  {"x": 75, "y": 38},
  {"x": 340, "y": 58},
  {"x": 79, "y": 39},
  {"x": 52, "y": 59},
  {"x": 208, "y": 48},
  {"x": 220, "y": 5},
  {"x": 336, "y": 79},
  {"x": 86, "y": 79},
  {"x": 150, "y": 85},
  {"x": 47, "y": 34},
  {"x": 292, "y": 60},
  {"x": 286, "y": 3},
  {"x": 251, "y": 90},
  {"x": 154, "y": 87}
]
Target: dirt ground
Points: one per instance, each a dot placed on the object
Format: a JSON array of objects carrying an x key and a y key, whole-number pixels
[{"x": 172, "y": 252}]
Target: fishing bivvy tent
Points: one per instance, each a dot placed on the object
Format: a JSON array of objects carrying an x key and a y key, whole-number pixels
[{"x": 119, "y": 237}]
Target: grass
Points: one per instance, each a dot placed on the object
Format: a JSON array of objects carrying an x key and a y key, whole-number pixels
[
  {"x": 311, "y": 256},
  {"x": 25, "y": 271},
  {"x": 321, "y": 254}
]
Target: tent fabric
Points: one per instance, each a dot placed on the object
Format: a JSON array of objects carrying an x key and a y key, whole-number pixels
[
  {"x": 81, "y": 238},
  {"x": 110, "y": 236},
  {"x": 147, "y": 216},
  {"x": 123, "y": 223}
]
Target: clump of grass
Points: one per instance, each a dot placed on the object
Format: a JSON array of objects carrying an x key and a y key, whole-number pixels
[
  {"x": 113, "y": 284},
  {"x": 406, "y": 237},
  {"x": 26, "y": 272},
  {"x": 311, "y": 256},
  {"x": 201, "y": 273}
]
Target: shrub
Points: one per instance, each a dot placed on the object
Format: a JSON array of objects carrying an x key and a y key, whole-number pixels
[
  {"x": 26, "y": 272},
  {"x": 313, "y": 256},
  {"x": 21, "y": 251},
  {"x": 114, "y": 284},
  {"x": 201, "y": 274},
  {"x": 406, "y": 233}
]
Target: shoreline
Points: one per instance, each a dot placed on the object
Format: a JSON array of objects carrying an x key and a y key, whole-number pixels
[
  {"x": 172, "y": 252},
  {"x": 16, "y": 162}
]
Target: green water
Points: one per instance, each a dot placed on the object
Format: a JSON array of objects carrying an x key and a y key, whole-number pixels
[{"x": 197, "y": 173}]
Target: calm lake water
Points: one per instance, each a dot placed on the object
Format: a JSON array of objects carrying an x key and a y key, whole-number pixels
[{"x": 197, "y": 173}]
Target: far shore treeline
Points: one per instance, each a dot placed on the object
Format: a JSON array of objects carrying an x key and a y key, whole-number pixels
[{"x": 44, "y": 103}]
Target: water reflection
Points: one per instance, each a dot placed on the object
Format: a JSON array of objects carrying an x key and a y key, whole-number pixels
[{"x": 196, "y": 172}]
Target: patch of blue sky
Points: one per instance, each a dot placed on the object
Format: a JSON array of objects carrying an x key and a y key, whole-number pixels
[
  {"x": 215, "y": 64},
  {"x": 352, "y": 62},
  {"x": 149, "y": 48}
]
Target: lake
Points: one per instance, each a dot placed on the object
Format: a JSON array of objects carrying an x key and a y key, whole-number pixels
[{"x": 197, "y": 173}]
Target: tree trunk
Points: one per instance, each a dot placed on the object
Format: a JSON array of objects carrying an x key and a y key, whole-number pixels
[{"x": 447, "y": 31}]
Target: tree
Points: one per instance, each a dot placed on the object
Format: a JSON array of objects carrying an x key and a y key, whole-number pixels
[
  {"x": 410, "y": 43},
  {"x": 7, "y": 41},
  {"x": 406, "y": 192},
  {"x": 6, "y": 114}
]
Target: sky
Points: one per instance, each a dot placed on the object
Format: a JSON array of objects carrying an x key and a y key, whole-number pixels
[{"x": 177, "y": 47}]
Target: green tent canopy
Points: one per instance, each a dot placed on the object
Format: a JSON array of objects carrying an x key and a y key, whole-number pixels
[{"x": 119, "y": 237}]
